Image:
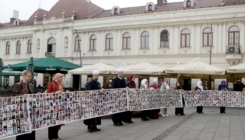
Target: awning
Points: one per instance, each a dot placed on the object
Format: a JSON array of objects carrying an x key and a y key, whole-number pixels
[
  {"x": 196, "y": 68},
  {"x": 237, "y": 69},
  {"x": 144, "y": 69},
  {"x": 101, "y": 67},
  {"x": 44, "y": 65},
  {"x": 13, "y": 73}
]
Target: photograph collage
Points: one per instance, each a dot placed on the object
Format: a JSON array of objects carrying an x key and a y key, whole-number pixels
[
  {"x": 53, "y": 109},
  {"x": 173, "y": 98},
  {"x": 104, "y": 102},
  {"x": 59, "y": 108},
  {"x": 214, "y": 98},
  {"x": 14, "y": 118},
  {"x": 153, "y": 99}
]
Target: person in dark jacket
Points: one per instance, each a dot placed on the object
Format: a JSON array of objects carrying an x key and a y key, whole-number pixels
[
  {"x": 199, "y": 87},
  {"x": 130, "y": 84},
  {"x": 179, "y": 110},
  {"x": 118, "y": 82},
  {"x": 21, "y": 88},
  {"x": 239, "y": 86},
  {"x": 223, "y": 87},
  {"x": 93, "y": 85}
]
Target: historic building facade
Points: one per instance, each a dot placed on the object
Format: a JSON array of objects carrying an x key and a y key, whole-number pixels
[{"x": 168, "y": 33}]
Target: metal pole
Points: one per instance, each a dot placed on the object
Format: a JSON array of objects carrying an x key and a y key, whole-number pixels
[
  {"x": 209, "y": 83},
  {"x": 79, "y": 48}
]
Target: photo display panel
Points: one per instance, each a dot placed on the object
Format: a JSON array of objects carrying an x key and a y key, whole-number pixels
[
  {"x": 14, "y": 116},
  {"x": 104, "y": 102},
  {"x": 51, "y": 109},
  {"x": 54, "y": 109},
  {"x": 173, "y": 98},
  {"x": 214, "y": 98},
  {"x": 146, "y": 99}
]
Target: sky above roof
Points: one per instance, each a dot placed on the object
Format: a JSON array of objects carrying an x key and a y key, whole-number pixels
[{"x": 27, "y": 7}]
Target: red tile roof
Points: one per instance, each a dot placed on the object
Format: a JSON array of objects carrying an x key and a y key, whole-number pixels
[
  {"x": 235, "y": 2},
  {"x": 83, "y": 8},
  {"x": 39, "y": 13},
  {"x": 88, "y": 10},
  {"x": 161, "y": 8}
]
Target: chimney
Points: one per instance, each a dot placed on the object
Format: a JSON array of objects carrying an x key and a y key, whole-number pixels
[{"x": 15, "y": 16}]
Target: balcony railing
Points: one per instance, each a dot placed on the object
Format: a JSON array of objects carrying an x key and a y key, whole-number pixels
[{"x": 233, "y": 49}]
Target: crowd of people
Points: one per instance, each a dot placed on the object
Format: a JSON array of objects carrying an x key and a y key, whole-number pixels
[{"x": 118, "y": 82}]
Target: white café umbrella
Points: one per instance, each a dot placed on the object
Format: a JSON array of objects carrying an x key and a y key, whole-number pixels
[
  {"x": 196, "y": 68},
  {"x": 144, "y": 69},
  {"x": 237, "y": 69},
  {"x": 101, "y": 67}
]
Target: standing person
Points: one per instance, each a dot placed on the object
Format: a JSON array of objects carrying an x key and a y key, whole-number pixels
[
  {"x": 165, "y": 86},
  {"x": 130, "y": 84},
  {"x": 199, "y": 87},
  {"x": 55, "y": 86},
  {"x": 118, "y": 82},
  {"x": 154, "y": 114},
  {"x": 179, "y": 110},
  {"x": 223, "y": 87},
  {"x": 144, "y": 113},
  {"x": 21, "y": 88},
  {"x": 239, "y": 86},
  {"x": 93, "y": 85},
  {"x": 205, "y": 85}
]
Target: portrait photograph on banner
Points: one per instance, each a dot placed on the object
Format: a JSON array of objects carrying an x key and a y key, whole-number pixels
[
  {"x": 214, "y": 98},
  {"x": 14, "y": 116},
  {"x": 153, "y": 99},
  {"x": 60, "y": 108},
  {"x": 99, "y": 103},
  {"x": 54, "y": 109}
]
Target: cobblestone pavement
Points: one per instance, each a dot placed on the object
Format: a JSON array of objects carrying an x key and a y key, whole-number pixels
[{"x": 209, "y": 126}]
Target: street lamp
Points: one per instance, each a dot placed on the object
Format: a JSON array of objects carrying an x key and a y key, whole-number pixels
[
  {"x": 210, "y": 62},
  {"x": 79, "y": 48}
]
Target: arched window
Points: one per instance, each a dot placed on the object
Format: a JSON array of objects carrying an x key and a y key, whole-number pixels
[
  {"x": 18, "y": 45},
  {"x": 77, "y": 43},
  {"x": 188, "y": 3},
  {"x": 109, "y": 42},
  {"x": 150, "y": 7},
  {"x": 7, "y": 48},
  {"x": 115, "y": 11},
  {"x": 234, "y": 36},
  {"x": 164, "y": 39},
  {"x": 185, "y": 38},
  {"x": 29, "y": 46},
  {"x": 207, "y": 37},
  {"x": 126, "y": 41},
  {"x": 51, "y": 45},
  {"x": 144, "y": 40},
  {"x": 92, "y": 46}
]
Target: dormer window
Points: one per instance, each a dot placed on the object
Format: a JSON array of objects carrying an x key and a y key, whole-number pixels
[
  {"x": 188, "y": 3},
  {"x": 150, "y": 6},
  {"x": 16, "y": 23},
  {"x": 115, "y": 10}
]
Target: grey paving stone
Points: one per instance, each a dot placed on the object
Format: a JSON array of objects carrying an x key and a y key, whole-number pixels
[
  {"x": 237, "y": 137},
  {"x": 220, "y": 138}
]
